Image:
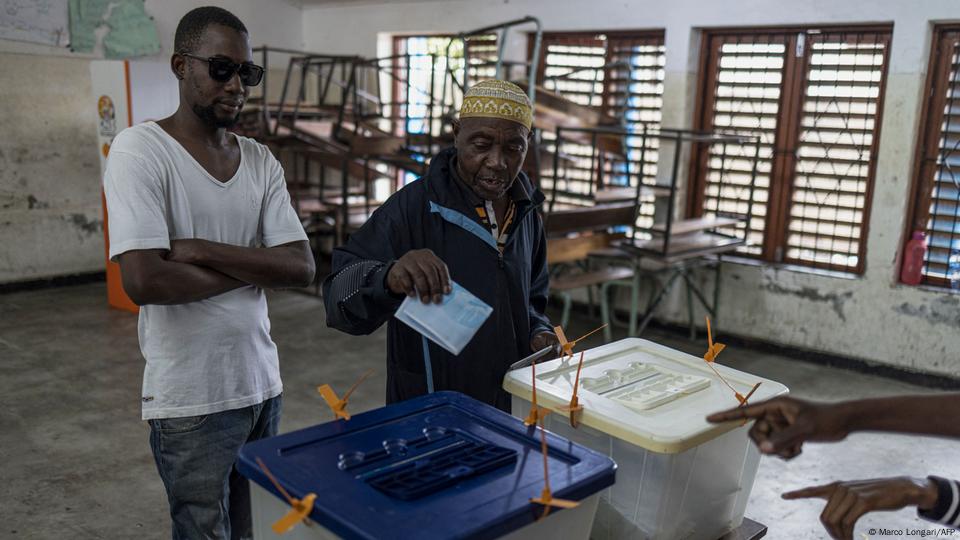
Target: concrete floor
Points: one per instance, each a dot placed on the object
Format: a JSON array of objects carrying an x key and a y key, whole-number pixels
[{"x": 76, "y": 461}]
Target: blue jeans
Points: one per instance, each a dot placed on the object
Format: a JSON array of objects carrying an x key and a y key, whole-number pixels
[{"x": 196, "y": 458}]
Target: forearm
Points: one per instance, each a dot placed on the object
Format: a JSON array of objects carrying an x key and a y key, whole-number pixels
[
  {"x": 922, "y": 415},
  {"x": 289, "y": 265},
  {"x": 177, "y": 283},
  {"x": 538, "y": 323},
  {"x": 357, "y": 299}
]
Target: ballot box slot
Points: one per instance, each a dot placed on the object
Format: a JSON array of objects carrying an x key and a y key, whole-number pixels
[
  {"x": 641, "y": 386},
  {"x": 439, "y": 459}
]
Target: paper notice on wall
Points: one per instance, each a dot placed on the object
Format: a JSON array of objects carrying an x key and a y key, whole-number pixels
[
  {"x": 85, "y": 17},
  {"x": 132, "y": 32},
  {"x": 128, "y": 31},
  {"x": 35, "y": 21}
]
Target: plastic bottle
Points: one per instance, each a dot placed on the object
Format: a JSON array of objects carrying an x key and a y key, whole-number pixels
[{"x": 911, "y": 272}]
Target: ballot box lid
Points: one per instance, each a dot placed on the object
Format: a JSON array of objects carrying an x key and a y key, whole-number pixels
[
  {"x": 644, "y": 393},
  {"x": 438, "y": 466}
]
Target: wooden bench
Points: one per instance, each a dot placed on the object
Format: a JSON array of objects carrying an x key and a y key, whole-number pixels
[
  {"x": 582, "y": 219},
  {"x": 574, "y": 250},
  {"x": 587, "y": 279}
]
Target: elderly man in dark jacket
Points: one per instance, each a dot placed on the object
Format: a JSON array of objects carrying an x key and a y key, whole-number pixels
[{"x": 472, "y": 218}]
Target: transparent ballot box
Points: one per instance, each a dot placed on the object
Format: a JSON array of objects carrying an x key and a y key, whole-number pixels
[{"x": 644, "y": 406}]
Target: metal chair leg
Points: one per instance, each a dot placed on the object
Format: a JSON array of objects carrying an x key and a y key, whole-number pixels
[
  {"x": 590, "y": 300},
  {"x": 715, "y": 311},
  {"x": 648, "y": 316},
  {"x": 591, "y": 304},
  {"x": 605, "y": 310},
  {"x": 614, "y": 320},
  {"x": 688, "y": 285}
]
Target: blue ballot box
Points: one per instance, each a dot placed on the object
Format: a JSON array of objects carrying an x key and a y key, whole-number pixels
[{"x": 438, "y": 466}]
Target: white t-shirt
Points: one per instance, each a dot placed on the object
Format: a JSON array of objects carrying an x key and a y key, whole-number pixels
[{"x": 215, "y": 354}]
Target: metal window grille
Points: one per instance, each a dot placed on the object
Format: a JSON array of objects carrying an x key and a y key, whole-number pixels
[
  {"x": 745, "y": 95},
  {"x": 621, "y": 74},
  {"x": 419, "y": 64},
  {"x": 814, "y": 98},
  {"x": 482, "y": 52},
  {"x": 834, "y": 165},
  {"x": 936, "y": 208}
]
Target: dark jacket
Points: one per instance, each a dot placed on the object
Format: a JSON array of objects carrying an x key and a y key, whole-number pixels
[{"x": 435, "y": 212}]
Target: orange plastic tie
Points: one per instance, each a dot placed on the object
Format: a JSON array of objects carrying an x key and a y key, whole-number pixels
[
  {"x": 713, "y": 349},
  {"x": 574, "y": 405},
  {"x": 567, "y": 346},
  {"x": 749, "y": 394},
  {"x": 712, "y": 352},
  {"x": 273, "y": 480},
  {"x": 732, "y": 389},
  {"x": 299, "y": 509},
  {"x": 356, "y": 384},
  {"x": 535, "y": 414},
  {"x": 546, "y": 496},
  {"x": 588, "y": 334},
  {"x": 560, "y": 335},
  {"x": 339, "y": 405}
]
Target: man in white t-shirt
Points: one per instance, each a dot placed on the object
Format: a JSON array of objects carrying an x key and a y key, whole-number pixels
[{"x": 201, "y": 223}]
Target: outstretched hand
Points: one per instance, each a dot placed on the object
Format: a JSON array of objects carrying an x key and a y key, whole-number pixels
[
  {"x": 421, "y": 272},
  {"x": 848, "y": 501},
  {"x": 783, "y": 424}
]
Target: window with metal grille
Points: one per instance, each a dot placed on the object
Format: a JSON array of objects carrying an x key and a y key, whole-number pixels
[
  {"x": 621, "y": 73},
  {"x": 420, "y": 62},
  {"x": 424, "y": 92},
  {"x": 419, "y": 66},
  {"x": 936, "y": 203},
  {"x": 813, "y": 96}
]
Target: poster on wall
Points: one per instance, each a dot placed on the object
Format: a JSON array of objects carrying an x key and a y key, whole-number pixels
[
  {"x": 107, "y": 126},
  {"x": 126, "y": 93},
  {"x": 35, "y": 21},
  {"x": 130, "y": 31}
]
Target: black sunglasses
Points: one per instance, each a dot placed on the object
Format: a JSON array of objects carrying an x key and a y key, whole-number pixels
[{"x": 222, "y": 69}]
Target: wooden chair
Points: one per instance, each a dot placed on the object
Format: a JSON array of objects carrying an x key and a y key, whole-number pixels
[
  {"x": 672, "y": 249},
  {"x": 572, "y": 235}
]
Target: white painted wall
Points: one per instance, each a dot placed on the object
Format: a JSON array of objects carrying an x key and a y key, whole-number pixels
[
  {"x": 868, "y": 317},
  {"x": 50, "y": 218},
  {"x": 49, "y": 181},
  {"x": 50, "y": 210}
]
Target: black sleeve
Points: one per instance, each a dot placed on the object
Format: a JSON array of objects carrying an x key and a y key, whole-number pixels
[
  {"x": 539, "y": 282},
  {"x": 948, "y": 502},
  {"x": 355, "y": 294}
]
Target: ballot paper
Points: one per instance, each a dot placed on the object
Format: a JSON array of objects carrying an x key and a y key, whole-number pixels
[{"x": 450, "y": 324}]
